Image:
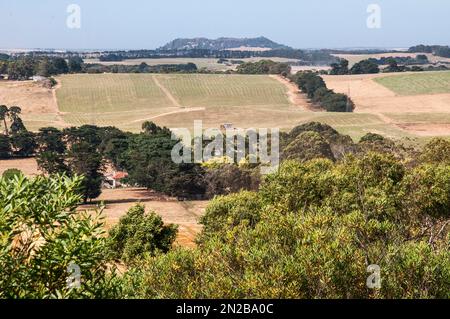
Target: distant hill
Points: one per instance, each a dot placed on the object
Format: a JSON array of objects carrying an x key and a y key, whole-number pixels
[{"x": 222, "y": 44}]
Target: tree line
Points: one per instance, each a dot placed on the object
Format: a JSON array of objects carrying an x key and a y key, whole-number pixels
[
  {"x": 23, "y": 68},
  {"x": 438, "y": 50},
  {"x": 309, "y": 57},
  {"x": 264, "y": 67},
  {"x": 372, "y": 66},
  {"x": 95, "y": 68},
  {"x": 316, "y": 89}
]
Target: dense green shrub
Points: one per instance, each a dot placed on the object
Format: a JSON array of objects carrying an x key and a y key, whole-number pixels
[
  {"x": 365, "y": 67},
  {"x": 310, "y": 82},
  {"x": 11, "y": 174},
  {"x": 227, "y": 212},
  {"x": 311, "y": 232},
  {"x": 308, "y": 146},
  {"x": 227, "y": 179},
  {"x": 339, "y": 144},
  {"x": 340, "y": 68},
  {"x": 42, "y": 234},
  {"x": 436, "y": 151},
  {"x": 139, "y": 235}
]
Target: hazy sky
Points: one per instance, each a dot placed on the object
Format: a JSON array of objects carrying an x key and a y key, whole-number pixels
[{"x": 136, "y": 24}]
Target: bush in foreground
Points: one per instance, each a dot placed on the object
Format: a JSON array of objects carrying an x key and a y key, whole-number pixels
[
  {"x": 139, "y": 235},
  {"x": 312, "y": 231},
  {"x": 42, "y": 235}
]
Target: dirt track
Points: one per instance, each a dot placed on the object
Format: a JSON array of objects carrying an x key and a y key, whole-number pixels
[{"x": 295, "y": 97}]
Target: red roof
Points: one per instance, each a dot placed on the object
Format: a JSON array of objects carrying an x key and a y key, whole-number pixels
[{"x": 120, "y": 175}]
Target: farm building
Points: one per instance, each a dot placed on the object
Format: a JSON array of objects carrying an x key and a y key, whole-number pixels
[{"x": 114, "y": 180}]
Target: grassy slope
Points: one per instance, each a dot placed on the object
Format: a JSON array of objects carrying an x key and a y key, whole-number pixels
[{"x": 126, "y": 100}]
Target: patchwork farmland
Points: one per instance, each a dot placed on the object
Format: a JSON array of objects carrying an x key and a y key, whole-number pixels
[
  {"x": 176, "y": 100},
  {"x": 395, "y": 105}
]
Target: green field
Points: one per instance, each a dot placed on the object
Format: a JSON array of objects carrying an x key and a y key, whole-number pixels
[{"x": 417, "y": 83}]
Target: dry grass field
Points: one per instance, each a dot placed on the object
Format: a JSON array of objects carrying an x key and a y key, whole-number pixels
[
  {"x": 420, "y": 114},
  {"x": 127, "y": 100},
  {"x": 28, "y": 166},
  {"x": 184, "y": 214},
  {"x": 39, "y": 106}
]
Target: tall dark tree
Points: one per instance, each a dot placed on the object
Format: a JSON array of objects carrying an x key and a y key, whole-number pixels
[
  {"x": 5, "y": 147},
  {"x": 152, "y": 129},
  {"x": 84, "y": 160},
  {"x": 90, "y": 134},
  {"x": 44, "y": 68},
  {"x": 51, "y": 151},
  {"x": 22, "y": 68},
  {"x": 23, "y": 143},
  {"x": 59, "y": 66},
  {"x": 3, "y": 116},
  {"x": 148, "y": 162},
  {"x": 365, "y": 67},
  {"x": 114, "y": 151},
  {"x": 75, "y": 64},
  {"x": 17, "y": 126},
  {"x": 14, "y": 112},
  {"x": 340, "y": 68}
]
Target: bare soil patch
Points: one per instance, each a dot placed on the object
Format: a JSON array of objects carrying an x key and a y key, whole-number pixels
[
  {"x": 295, "y": 96},
  {"x": 28, "y": 166},
  {"x": 38, "y": 103},
  {"x": 31, "y": 96}
]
